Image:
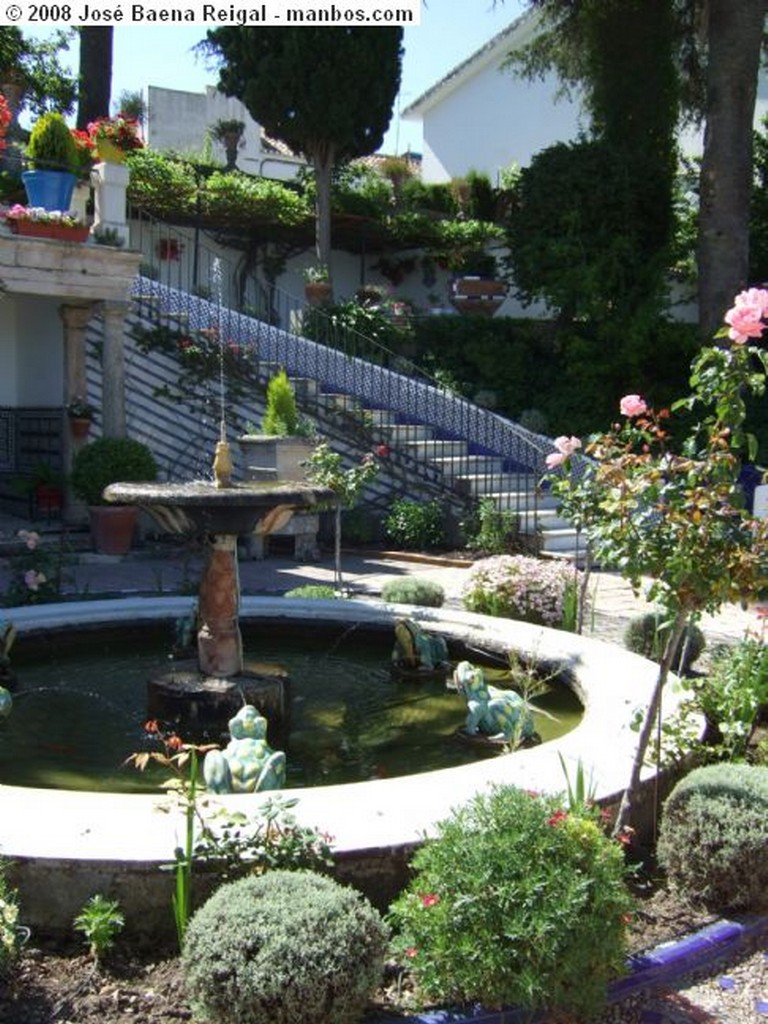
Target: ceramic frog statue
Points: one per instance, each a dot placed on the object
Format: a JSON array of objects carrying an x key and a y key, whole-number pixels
[
  {"x": 7, "y": 678},
  {"x": 247, "y": 764},
  {"x": 490, "y": 711},
  {"x": 416, "y": 650}
]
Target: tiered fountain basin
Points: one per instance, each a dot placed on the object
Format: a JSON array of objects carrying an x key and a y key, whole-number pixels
[{"x": 67, "y": 845}]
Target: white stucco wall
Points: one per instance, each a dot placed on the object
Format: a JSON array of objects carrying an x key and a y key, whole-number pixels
[
  {"x": 31, "y": 353},
  {"x": 180, "y": 121},
  {"x": 493, "y": 120}
]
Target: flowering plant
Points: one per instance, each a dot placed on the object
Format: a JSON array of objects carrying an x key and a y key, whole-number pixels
[
  {"x": 519, "y": 587},
  {"x": 678, "y": 516},
  {"x": 36, "y": 574},
  {"x": 121, "y": 131},
  {"x": 5, "y": 120},
  {"x": 79, "y": 409},
  {"x": 38, "y": 215},
  {"x": 86, "y": 150}
]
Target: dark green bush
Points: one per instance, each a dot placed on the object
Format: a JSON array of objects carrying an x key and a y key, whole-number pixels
[
  {"x": 413, "y": 591},
  {"x": 415, "y": 525},
  {"x": 647, "y": 635},
  {"x": 283, "y": 947},
  {"x": 713, "y": 840},
  {"x": 516, "y": 901},
  {"x": 110, "y": 460}
]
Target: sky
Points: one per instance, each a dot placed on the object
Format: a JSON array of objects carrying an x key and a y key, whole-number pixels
[{"x": 450, "y": 31}]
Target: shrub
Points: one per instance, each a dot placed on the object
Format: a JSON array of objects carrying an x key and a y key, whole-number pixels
[
  {"x": 110, "y": 460},
  {"x": 519, "y": 587},
  {"x": 734, "y": 690},
  {"x": 12, "y": 934},
  {"x": 281, "y": 417},
  {"x": 713, "y": 840},
  {"x": 415, "y": 525},
  {"x": 51, "y": 146},
  {"x": 315, "y": 591},
  {"x": 516, "y": 901},
  {"x": 283, "y": 947},
  {"x": 647, "y": 635},
  {"x": 413, "y": 591},
  {"x": 492, "y": 530}
]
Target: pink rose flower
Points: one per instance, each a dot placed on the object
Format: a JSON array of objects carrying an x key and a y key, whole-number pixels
[
  {"x": 745, "y": 319},
  {"x": 554, "y": 459},
  {"x": 33, "y": 580},
  {"x": 566, "y": 446},
  {"x": 30, "y": 538},
  {"x": 632, "y": 405},
  {"x": 753, "y": 297}
]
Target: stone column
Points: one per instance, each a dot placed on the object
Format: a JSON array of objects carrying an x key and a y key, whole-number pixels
[
  {"x": 75, "y": 317},
  {"x": 110, "y": 182},
  {"x": 113, "y": 369},
  {"x": 219, "y": 644}
]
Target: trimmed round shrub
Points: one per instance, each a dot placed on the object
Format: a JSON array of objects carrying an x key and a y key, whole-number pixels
[
  {"x": 647, "y": 635},
  {"x": 283, "y": 947},
  {"x": 515, "y": 902},
  {"x": 313, "y": 591},
  {"x": 413, "y": 591},
  {"x": 713, "y": 840},
  {"x": 519, "y": 587},
  {"x": 416, "y": 525}
]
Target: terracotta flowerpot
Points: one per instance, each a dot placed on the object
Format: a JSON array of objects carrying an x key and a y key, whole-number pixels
[
  {"x": 317, "y": 292},
  {"x": 79, "y": 427},
  {"x": 48, "y": 229},
  {"x": 112, "y": 528}
]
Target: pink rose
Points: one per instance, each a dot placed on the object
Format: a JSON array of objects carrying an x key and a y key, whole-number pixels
[
  {"x": 753, "y": 297},
  {"x": 745, "y": 320},
  {"x": 554, "y": 460},
  {"x": 567, "y": 445},
  {"x": 632, "y": 405}
]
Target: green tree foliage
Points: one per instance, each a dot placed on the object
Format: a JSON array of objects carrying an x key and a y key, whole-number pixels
[
  {"x": 326, "y": 92},
  {"x": 37, "y": 65}
]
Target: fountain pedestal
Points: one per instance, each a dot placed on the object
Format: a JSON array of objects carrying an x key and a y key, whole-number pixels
[{"x": 202, "y": 696}]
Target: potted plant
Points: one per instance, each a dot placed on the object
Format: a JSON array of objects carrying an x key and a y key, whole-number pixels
[
  {"x": 476, "y": 288},
  {"x": 280, "y": 450},
  {"x": 317, "y": 284},
  {"x": 113, "y": 137},
  {"x": 53, "y": 156},
  {"x": 44, "y": 489},
  {"x": 80, "y": 415},
  {"x": 37, "y": 222},
  {"x": 106, "y": 461},
  {"x": 229, "y": 132}
]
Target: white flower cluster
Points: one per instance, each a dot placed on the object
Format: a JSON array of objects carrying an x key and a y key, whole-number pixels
[{"x": 518, "y": 587}]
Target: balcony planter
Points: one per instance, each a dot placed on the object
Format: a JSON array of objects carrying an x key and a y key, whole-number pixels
[
  {"x": 79, "y": 427},
  {"x": 49, "y": 229},
  {"x": 50, "y": 189},
  {"x": 477, "y": 295},
  {"x": 318, "y": 293}
]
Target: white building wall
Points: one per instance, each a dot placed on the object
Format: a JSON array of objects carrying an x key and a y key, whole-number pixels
[
  {"x": 181, "y": 121},
  {"x": 8, "y": 353},
  {"x": 40, "y": 352},
  {"x": 493, "y": 120}
]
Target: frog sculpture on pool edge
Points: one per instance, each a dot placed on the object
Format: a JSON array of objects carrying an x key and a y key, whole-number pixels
[
  {"x": 497, "y": 714},
  {"x": 417, "y": 652},
  {"x": 247, "y": 764}
]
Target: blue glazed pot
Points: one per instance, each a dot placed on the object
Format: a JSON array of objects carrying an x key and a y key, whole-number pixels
[{"x": 52, "y": 190}]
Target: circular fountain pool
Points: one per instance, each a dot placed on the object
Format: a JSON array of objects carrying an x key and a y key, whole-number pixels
[{"x": 68, "y": 845}]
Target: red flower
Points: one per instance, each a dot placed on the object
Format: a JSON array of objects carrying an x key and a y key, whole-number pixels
[
  {"x": 174, "y": 742},
  {"x": 430, "y": 899},
  {"x": 557, "y": 817},
  {"x": 152, "y": 727},
  {"x": 382, "y": 450},
  {"x": 411, "y": 952},
  {"x": 625, "y": 836}
]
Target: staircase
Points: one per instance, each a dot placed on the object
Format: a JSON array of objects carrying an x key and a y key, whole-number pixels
[{"x": 439, "y": 445}]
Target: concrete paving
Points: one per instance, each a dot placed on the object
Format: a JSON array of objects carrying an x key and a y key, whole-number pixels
[{"x": 167, "y": 568}]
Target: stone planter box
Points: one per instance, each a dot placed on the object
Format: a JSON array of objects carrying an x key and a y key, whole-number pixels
[
  {"x": 48, "y": 229},
  {"x": 265, "y": 457}
]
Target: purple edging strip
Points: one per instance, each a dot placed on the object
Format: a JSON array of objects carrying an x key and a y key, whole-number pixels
[{"x": 658, "y": 965}]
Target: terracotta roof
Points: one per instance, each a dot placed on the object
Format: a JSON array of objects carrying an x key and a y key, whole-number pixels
[{"x": 515, "y": 35}]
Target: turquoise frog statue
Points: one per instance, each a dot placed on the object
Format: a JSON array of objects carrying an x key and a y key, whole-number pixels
[
  {"x": 247, "y": 764},
  {"x": 7, "y": 636},
  {"x": 498, "y": 714},
  {"x": 417, "y": 651}
]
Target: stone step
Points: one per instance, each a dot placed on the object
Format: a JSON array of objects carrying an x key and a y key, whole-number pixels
[
  {"x": 562, "y": 539},
  {"x": 468, "y": 467},
  {"x": 437, "y": 450},
  {"x": 405, "y": 433}
]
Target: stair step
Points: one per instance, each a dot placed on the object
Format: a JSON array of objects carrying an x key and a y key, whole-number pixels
[
  {"x": 305, "y": 387},
  {"x": 563, "y": 539},
  {"x": 437, "y": 450},
  {"x": 489, "y": 484},
  {"x": 384, "y": 418},
  {"x": 521, "y": 500},
  {"x": 406, "y": 433},
  {"x": 468, "y": 467}
]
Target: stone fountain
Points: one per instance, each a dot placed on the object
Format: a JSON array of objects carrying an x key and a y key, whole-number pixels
[{"x": 200, "y": 697}]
